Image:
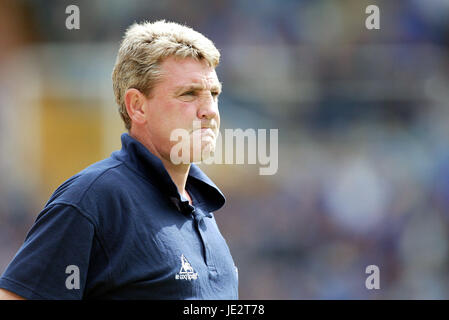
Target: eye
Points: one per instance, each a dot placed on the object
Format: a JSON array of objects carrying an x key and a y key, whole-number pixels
[
  {"x": 215, "y": 94},
  {"x": 189, "y": 93}
]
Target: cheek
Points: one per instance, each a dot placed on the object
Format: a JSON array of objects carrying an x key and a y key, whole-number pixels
[
  {"x": 186, "y": 113},
  {"x": 218, "y": 117},
  {"x": 160, "y": 120},
  {"x": 170, "y": 114}
]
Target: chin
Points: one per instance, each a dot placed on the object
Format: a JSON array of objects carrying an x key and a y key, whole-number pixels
[{"x": 207, "y": 152}]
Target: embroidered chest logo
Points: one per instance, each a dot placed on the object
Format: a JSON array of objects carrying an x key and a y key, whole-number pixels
[{"x": 186, "y": 272}]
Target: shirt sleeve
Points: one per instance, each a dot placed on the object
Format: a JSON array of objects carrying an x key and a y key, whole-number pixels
[{"x": 54, "y": 259}]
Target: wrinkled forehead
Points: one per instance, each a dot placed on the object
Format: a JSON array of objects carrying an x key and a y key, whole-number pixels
[{"x": 189, "y": 72}]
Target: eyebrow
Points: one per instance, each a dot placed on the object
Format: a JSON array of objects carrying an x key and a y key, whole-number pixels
[{"x": 197, "y": 86}]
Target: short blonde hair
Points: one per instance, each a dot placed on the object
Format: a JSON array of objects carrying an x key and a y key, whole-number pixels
[{"x": 144, "y": 47}]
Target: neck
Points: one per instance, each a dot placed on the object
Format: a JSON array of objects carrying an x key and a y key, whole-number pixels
[{"x": 178, "y": 173}]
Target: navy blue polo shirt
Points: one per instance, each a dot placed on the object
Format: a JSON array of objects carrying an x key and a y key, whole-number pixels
[{"x": 120, "y": 229}]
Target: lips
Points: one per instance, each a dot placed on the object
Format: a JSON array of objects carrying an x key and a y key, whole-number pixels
[
  {"x": 207, "y": 131},
  {"x": 204, "y": 130}
]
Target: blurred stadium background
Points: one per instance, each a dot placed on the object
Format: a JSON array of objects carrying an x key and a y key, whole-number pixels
[{"x": 363, "y": 121}]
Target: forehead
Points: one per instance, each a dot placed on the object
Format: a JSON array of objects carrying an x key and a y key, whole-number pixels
[{"x": 178, "y": 72}]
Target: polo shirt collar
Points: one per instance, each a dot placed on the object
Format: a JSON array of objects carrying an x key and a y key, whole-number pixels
[{"x": 207, "y": 196}]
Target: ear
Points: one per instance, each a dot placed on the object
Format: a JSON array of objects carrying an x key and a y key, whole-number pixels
[{"x": 135, "y": 102}]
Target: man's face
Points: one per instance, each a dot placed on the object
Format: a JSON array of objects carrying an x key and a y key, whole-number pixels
[{"x": 187, "y": 92}]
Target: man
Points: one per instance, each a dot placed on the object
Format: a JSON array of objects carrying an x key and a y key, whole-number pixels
[{"x": 136, "y": 225}]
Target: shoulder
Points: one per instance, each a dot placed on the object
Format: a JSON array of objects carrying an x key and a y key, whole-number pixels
[
  {"x": 73, "y": 189},
  {"x": 91, "y": 187},
  {"x": 104, "y": 190}
]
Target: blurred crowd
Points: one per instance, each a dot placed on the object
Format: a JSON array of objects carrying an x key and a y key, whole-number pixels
[{"x": 363, "y": 121}]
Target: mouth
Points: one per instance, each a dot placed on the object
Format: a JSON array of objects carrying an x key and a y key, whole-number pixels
[{"x": 207, "y": 131}]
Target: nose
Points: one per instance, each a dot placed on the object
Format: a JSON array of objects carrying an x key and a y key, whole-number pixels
[{"x": 208, "y": 108}]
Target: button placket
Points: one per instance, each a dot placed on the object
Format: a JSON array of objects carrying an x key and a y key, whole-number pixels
[{"x": 199, "y": 224}]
